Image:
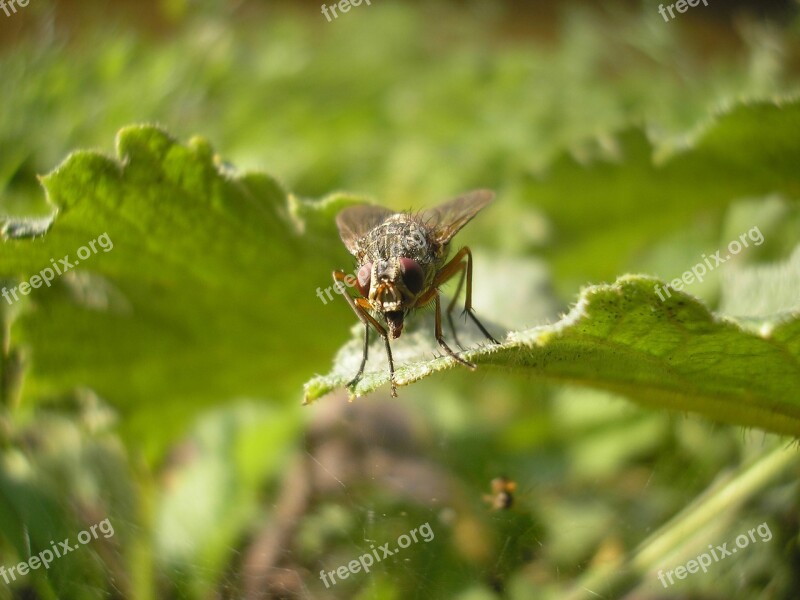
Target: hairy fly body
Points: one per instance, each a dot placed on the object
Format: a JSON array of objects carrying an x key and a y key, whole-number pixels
[{"x": 403, "y": 260}]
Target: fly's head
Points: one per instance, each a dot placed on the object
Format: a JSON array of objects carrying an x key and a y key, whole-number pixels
[{"x": 393, "y": 287}]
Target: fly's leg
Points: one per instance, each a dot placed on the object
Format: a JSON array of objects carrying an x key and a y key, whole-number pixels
[
  {"x": 456, "y": 265},
  {"x": 463, "y": 270},
  {"x": 360, "y": 306},
  {"x": 440, "y": 337},
  {"x": 355, "y": 379}
]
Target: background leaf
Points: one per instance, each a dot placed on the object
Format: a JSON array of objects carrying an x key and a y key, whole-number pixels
[{"x": 159, "y": 384}]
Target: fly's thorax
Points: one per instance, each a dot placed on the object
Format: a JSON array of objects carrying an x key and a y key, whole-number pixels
[{"x": 400, "y": 235}]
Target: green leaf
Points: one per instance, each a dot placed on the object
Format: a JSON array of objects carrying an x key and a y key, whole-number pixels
[
  {"x": 609, "y": 200},
  {"x": 623, "y": 338},
  {"x": 186, "y": 299}
]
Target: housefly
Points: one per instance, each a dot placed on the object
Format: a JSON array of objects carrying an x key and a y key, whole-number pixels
[{"x": 402, "y": 261}]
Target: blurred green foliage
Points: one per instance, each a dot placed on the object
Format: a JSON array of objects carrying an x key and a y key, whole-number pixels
[{"x": 161, "y": 387}]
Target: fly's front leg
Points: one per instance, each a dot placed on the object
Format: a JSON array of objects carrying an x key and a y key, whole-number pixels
[
  {"x": 355, "y": 379},
  {"x": 360, "y": 306}
]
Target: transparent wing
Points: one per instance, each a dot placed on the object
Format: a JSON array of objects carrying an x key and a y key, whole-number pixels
[
  {"x": 355, "y": 222},
  {"x": 447, "y": 219}
]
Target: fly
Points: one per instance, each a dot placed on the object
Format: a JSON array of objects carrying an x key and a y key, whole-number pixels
[
  {"x": 402, "y": 261},
  {"x": 502, "y": 496}
]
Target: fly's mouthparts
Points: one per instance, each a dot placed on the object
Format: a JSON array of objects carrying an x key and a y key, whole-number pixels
[{"x": 395, "y": 321}]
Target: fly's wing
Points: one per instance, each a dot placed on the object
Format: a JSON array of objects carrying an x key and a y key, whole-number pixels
[
  {"x": 447, "y": 219},
  {"x": 355, "y": 222}
]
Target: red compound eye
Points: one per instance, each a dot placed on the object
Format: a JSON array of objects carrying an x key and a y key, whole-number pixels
[
  {"x": 364, "y": 277},
  {"x": 413, "y": 277}
]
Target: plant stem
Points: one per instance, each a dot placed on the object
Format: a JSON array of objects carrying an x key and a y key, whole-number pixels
[{"x": 674, "y": 538}]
